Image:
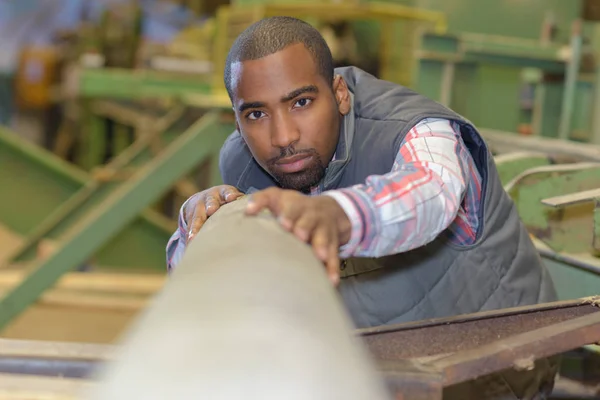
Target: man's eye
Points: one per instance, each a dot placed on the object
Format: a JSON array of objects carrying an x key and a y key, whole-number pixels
[
  {"x": 302, "y": 102},
  {"x": 255, "y": 115}
]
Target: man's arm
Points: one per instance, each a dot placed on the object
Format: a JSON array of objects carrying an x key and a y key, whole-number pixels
[{"x": 433, "y": 182}]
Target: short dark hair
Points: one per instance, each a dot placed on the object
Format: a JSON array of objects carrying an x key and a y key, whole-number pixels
[{"x": 270, "y": 35}]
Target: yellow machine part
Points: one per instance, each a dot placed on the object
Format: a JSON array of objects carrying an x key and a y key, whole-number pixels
[
  {"x": 36, "y": 76},
  {"x": 232, "y": 20}
]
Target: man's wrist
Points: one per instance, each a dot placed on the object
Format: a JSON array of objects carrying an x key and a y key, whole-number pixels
[{"x": 353, "y": 217}]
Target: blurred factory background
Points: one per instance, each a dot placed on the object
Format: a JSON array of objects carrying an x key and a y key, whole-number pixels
[{"x": 112, "y": 113}]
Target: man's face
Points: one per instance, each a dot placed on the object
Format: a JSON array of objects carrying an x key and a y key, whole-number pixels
[{"x": 289, "y": 115}]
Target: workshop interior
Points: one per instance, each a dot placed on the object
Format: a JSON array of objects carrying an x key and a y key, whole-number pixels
[{"x": 113, "y": 113}]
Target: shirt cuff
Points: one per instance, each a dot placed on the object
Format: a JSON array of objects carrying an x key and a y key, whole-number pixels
[{"x": 348, "y": 204}]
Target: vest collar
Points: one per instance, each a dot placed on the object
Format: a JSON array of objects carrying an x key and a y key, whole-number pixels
[{"x": 342, "y": 153}]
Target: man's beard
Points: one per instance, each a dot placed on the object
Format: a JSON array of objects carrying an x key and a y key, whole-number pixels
[{"x": 303, "y": 180}]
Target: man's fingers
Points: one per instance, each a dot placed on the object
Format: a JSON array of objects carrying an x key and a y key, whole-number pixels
[
  {"x": 212, "y": 204},
  {"x": 263, "y": 199},
  {"x": 333, "y": 264},
  {"x": 199, "y": 218},
  {"x": 289, "y": 214},
  {"x": 321, "y": 238},
  {"x": 325, "y": 246},
  {"x": 229, "y": 194},
  {"x": 303, "y": 223}
]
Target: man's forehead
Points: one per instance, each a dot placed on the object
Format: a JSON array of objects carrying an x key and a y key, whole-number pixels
[{"x": 292, "y": 62}]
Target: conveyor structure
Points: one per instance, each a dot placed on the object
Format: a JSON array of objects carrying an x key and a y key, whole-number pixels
[{"x": 98, "y": 215}]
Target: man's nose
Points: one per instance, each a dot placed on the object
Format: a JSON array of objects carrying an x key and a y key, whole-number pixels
[{"x": 284, "y": 131}]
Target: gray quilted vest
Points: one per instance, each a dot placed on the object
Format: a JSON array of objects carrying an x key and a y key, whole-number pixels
[{"x": 502, "y": 269}]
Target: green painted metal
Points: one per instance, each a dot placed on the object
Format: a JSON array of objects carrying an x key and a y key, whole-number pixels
[
  {"x": 567, "y": 224},
  {"x": 563, "y": 229},
  {"x": 521, "y": 19},
  {"x": 35, "y": 183},
  {"x": 489, "y": 64},
  {"x": 78, "y": 205},
  {"x": 56, "y": 195},
  {"x": 113, "y": 214},
  {"x": 596, "y": 237},
  {"x": 92, "y": 143},
  {"x": 572, "y": 282},
  {"x": 572, "y": 74},
  {"x": 132, "y": 86},
  {"x": 552, "y": 97},
  {"x": 503, "y": 50},
  {"x": 125, "y": 84},
  {"x": 488, "y": 75},
  {"x": 595, "y": 104},
  {"x": 512, "y": 165}
]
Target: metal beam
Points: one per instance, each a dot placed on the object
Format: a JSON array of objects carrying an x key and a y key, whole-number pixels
[
  {"x": 249, "y": 313},
  {"x": 93, "y": 192},
  {"x": 442, "y": 336},
  {"x": 43, "y": 187},
  {"x": 125, "y": 84},
  {"x": 94, "y": 230},
  {"x": 519, "y": 351},
  {"x": 423, "y": 357}
]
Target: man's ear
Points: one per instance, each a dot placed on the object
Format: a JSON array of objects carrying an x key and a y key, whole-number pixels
[{"x": 342, "y": 94}]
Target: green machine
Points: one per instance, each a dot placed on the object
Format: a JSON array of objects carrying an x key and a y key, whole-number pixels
[
  {"x": 535, "y": 62},
  {"x": 102, "y": 217},
  {"x": 555, "y": 187}
]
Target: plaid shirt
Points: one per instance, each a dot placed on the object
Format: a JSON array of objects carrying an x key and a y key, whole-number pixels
[{"x": 433, "y": 188}]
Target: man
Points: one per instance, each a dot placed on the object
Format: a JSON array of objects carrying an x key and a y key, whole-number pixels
[{"x": 402, "y": 189}]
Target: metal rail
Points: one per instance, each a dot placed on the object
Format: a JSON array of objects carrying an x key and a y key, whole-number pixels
[
  {"x": 421, "y": 359},
  {"x": 249, "y": 313}
]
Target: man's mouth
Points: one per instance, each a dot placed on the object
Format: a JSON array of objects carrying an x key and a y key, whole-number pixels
[{"x": 294, "y": 163}]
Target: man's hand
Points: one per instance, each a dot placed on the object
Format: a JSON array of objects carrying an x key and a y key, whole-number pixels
[
  {"x": 204, "y": 204},
  {"x": 318, "y": 220}
]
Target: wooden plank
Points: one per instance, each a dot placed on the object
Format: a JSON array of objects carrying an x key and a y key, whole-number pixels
[
  {"x": 90, "y": 301},
  {"x": 96, "y": 281},
  {"x": 22, "y": 387},
  {"x": 69, "y": 324},
  {"x": 50, "y": 349}
]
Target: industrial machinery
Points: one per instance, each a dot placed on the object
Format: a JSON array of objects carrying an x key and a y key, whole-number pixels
[
  {"x": 552, "y": 183},
  {"x": 190, "y": 70},
  {"x": 102, "y": 207}
]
